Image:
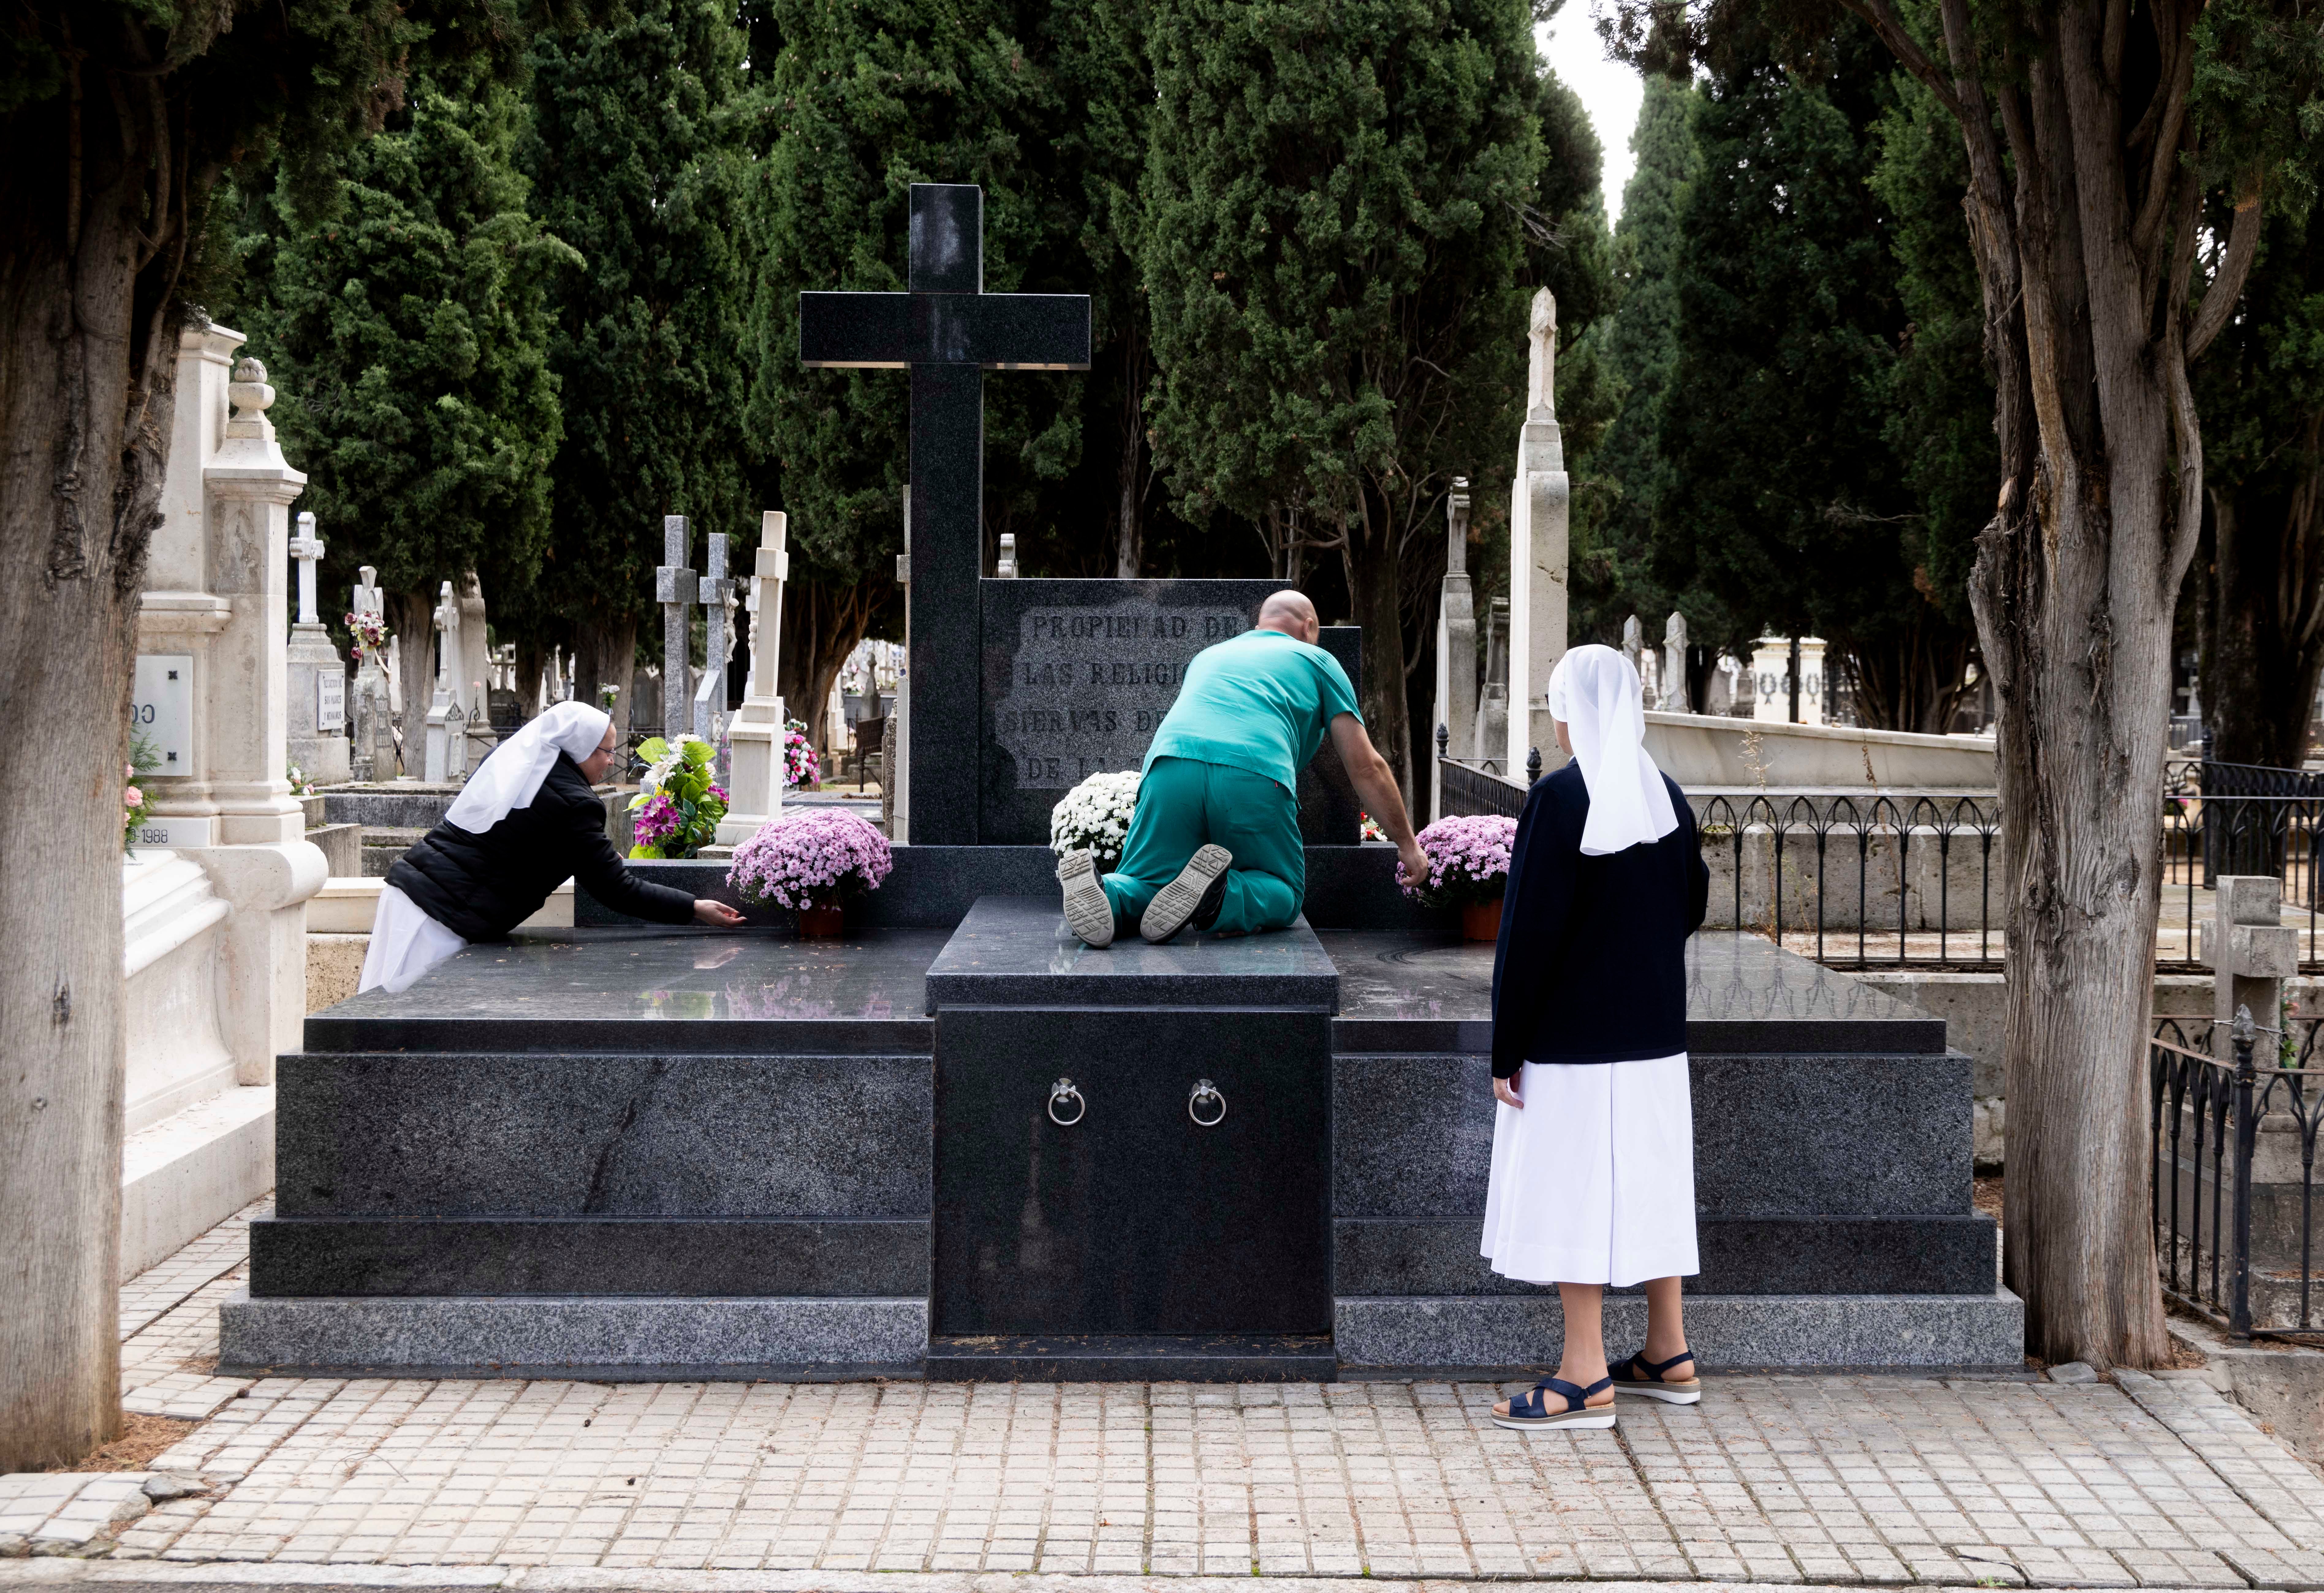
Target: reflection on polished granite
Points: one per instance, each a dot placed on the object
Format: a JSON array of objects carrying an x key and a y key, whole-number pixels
[
  {"x": 1744, "y": 994},
  {"x": 618, "y": 990},
  {"x": 1017, "y": 949}
]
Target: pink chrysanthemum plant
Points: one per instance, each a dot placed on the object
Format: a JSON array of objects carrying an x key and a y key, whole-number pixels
[
  {"x": 817, "y": 857},
  {"x": 1468, "y": 860}
]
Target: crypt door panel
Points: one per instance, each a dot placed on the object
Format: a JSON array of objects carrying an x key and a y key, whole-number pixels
[{"x": 1148, "y": 1209}]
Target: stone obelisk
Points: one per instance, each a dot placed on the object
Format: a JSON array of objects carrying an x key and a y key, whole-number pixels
[{"x": 1540, "y": 501}]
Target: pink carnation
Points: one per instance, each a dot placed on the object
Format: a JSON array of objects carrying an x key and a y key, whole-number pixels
[{"x": 133, "y": 797}]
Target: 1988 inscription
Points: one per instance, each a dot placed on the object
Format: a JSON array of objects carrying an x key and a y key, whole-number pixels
[{"x": 1088, "y": 688}]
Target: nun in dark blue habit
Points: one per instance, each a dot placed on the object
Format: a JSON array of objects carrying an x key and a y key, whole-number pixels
[{"x": 1593, "y": 1139}]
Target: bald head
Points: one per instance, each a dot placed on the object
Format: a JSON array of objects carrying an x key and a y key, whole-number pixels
[{"x": 1290, "y": 612}]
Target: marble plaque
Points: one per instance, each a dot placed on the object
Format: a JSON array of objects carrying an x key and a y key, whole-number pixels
[{"x": 330, "y": 702}]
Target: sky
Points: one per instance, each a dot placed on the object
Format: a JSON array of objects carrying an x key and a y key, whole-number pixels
[{"x": 1611, "y": 91}]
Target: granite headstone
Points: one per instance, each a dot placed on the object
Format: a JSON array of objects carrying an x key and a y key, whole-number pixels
[{"x": 1078, "y": 676}]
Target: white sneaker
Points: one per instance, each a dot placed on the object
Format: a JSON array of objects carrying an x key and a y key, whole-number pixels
[{"x": 1087, "y": 911}]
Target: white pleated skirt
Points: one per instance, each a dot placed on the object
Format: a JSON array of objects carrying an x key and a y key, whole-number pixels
[
  {"x": 1593, "y": 1177},
  {"x": 405, "y": 942}
]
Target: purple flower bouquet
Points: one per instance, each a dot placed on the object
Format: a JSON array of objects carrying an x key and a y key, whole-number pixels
[
  {"x": 810, "y": 862},
  {"x": 1468, "y": 861}
]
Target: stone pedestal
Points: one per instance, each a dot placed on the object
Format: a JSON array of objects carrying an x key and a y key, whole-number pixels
[
  {"x": 216, "y": 959},
  {"x": 755, "y": 735},
  {"x": 315, "y": 707}
]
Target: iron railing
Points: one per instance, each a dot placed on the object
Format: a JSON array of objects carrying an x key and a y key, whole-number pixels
[
  {"x": 1481, "y": 788},
  {"x": 2233, "y": 1146},
  {"x": 2205, "y": 836}
]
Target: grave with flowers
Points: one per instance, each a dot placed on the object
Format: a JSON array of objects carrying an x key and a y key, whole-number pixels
[{"x": 905, "y": 1124}]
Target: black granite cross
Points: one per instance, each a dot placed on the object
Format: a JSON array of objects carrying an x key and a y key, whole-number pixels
[{"x": 948, "y": 331}]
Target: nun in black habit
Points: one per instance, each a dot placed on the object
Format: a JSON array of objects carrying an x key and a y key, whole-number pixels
[
  {"x": 1593, "y": 1139},
  {"x": 525, "y": 822}
]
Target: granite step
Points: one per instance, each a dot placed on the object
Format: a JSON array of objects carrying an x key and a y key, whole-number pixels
[
  {"x": 1501, "y": 1336},
  {"x": 1132, "y": 1357}
]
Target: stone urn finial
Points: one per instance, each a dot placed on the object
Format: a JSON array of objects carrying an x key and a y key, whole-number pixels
[{"x": 248, "y": 391}]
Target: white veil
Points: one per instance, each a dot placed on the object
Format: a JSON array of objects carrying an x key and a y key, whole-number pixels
[
  {"x": 510, "y": 776},
  {"x": 1595, "y": 691}
]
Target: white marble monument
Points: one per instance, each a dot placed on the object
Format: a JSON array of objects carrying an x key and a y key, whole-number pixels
[
  {"x": 214, "y": 897},
  {"x": 1456, "y": 644},
  {"x": 447, "y": 724},
  {"x": 315, "y": 707},
  {"x": 1541, "y": 499},
  {"x": 755, "y": 738}
]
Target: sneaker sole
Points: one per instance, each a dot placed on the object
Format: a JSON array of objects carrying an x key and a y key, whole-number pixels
[
  {"x": 1180, "y": 899},
  {"x": 1595, "y": 1419},
  {"x": 1669, "y": 1396},
  {"x": 1088, "y": 912}
]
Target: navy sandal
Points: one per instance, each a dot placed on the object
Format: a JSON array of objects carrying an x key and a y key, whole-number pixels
[
  {"x": 1530, "y": 1411},
  {"x": 1638, "y": 1374}
]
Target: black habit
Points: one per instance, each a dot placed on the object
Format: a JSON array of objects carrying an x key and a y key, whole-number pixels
[{"x": 1591, "y": 963}]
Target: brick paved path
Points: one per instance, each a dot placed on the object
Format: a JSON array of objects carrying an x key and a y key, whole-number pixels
[{"x": 2156, "y": 1482}]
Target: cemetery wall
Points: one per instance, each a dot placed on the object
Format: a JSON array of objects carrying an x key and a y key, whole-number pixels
[{"x": 1706, "y": 750}]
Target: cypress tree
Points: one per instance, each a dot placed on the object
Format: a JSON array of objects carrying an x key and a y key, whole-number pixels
[
  {"x": 408, "y": 335},
  {"x": 1334, "y": 240},
  {"x": 635, "y": 161}
]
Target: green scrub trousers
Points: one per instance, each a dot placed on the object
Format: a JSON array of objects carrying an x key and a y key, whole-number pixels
[{"x": 1182, "y": 803}]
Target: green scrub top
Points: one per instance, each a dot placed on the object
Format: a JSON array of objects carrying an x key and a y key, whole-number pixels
[{"x": 1261, "y": 702}]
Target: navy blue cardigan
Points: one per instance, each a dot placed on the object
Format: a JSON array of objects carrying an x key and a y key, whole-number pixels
[{"x": 1591, "y": 964}]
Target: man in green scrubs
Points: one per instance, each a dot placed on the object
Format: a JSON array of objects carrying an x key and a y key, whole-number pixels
[{"x": 1215, "y": 842}]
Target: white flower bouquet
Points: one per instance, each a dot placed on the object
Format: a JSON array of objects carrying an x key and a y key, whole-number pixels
[{"x": 1094, "y": 816}]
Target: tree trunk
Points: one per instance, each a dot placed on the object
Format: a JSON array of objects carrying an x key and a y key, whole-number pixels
[
  {"x": 1130, "y": 527},
  {"x": 411, "y": 616},
  {"x": 606, "y": 655},
  {"x": 531, "y": 662},
  {"x": 2074, "y": 586},
  {"x": 821, "y": 623},
  {"x": 87, "y": 369},
  {"x": 1373, "y": 593},
  {"x": 2265, "y": 643}
]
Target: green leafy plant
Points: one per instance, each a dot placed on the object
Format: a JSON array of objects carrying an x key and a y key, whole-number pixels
[{"x": 679, "y": 802}]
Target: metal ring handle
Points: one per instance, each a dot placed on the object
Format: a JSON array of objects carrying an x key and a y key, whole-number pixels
[
  {"x": 1066, "y": 1090},
  {"x": 1204, "y": 1091}
]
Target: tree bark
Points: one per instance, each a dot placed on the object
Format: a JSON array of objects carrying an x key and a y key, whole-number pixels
[
  {"x": 87, "y": 371},
  {"x": 821, "y": 623},
  {"x": 411, "y": 616},
  {"x": 2074, "y": 589},
  {"x": 531, "y": 661},
  {"x": 1136, "y": 468},
  {"x": 1374, "y": 592},
  {"x": 2263, "y": 649},
  {"x": 606, "y": 654}
]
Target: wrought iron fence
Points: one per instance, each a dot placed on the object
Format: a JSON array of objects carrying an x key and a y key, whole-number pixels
[
  {"x": 2206, "y": 833},
  {"x": 1877, "y": 881},
  {"x": 1891, "y": 878},
  {"x": 2234, "y": 1155},
  {"x": 1473, "y": 789}
]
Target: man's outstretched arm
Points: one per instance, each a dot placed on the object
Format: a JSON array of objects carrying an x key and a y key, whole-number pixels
[{"x": 1375, "y": 782}]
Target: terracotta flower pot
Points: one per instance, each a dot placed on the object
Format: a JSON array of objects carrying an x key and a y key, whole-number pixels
[
  {"x": 821, "y": 923},
  {"x": 1481, "y": 920}
]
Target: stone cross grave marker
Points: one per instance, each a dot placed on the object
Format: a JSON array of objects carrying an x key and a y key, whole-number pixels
[
  {"x": 675, "y": 588},
  {"x": 755, "y": 738},
  {"x": 448, "y": 727},
  {"x": 307, "y": 549},
  {"x": 2252, "y": 952},
  {"x": 947, "y": 331},
  {"x": 1675, "y": 690},
  {"x": 718, "y": 595},
  {"x": 374, "y": 748}
]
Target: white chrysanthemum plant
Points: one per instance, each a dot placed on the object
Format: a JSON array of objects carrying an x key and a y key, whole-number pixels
[{"x": 1094, "y": 816}]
